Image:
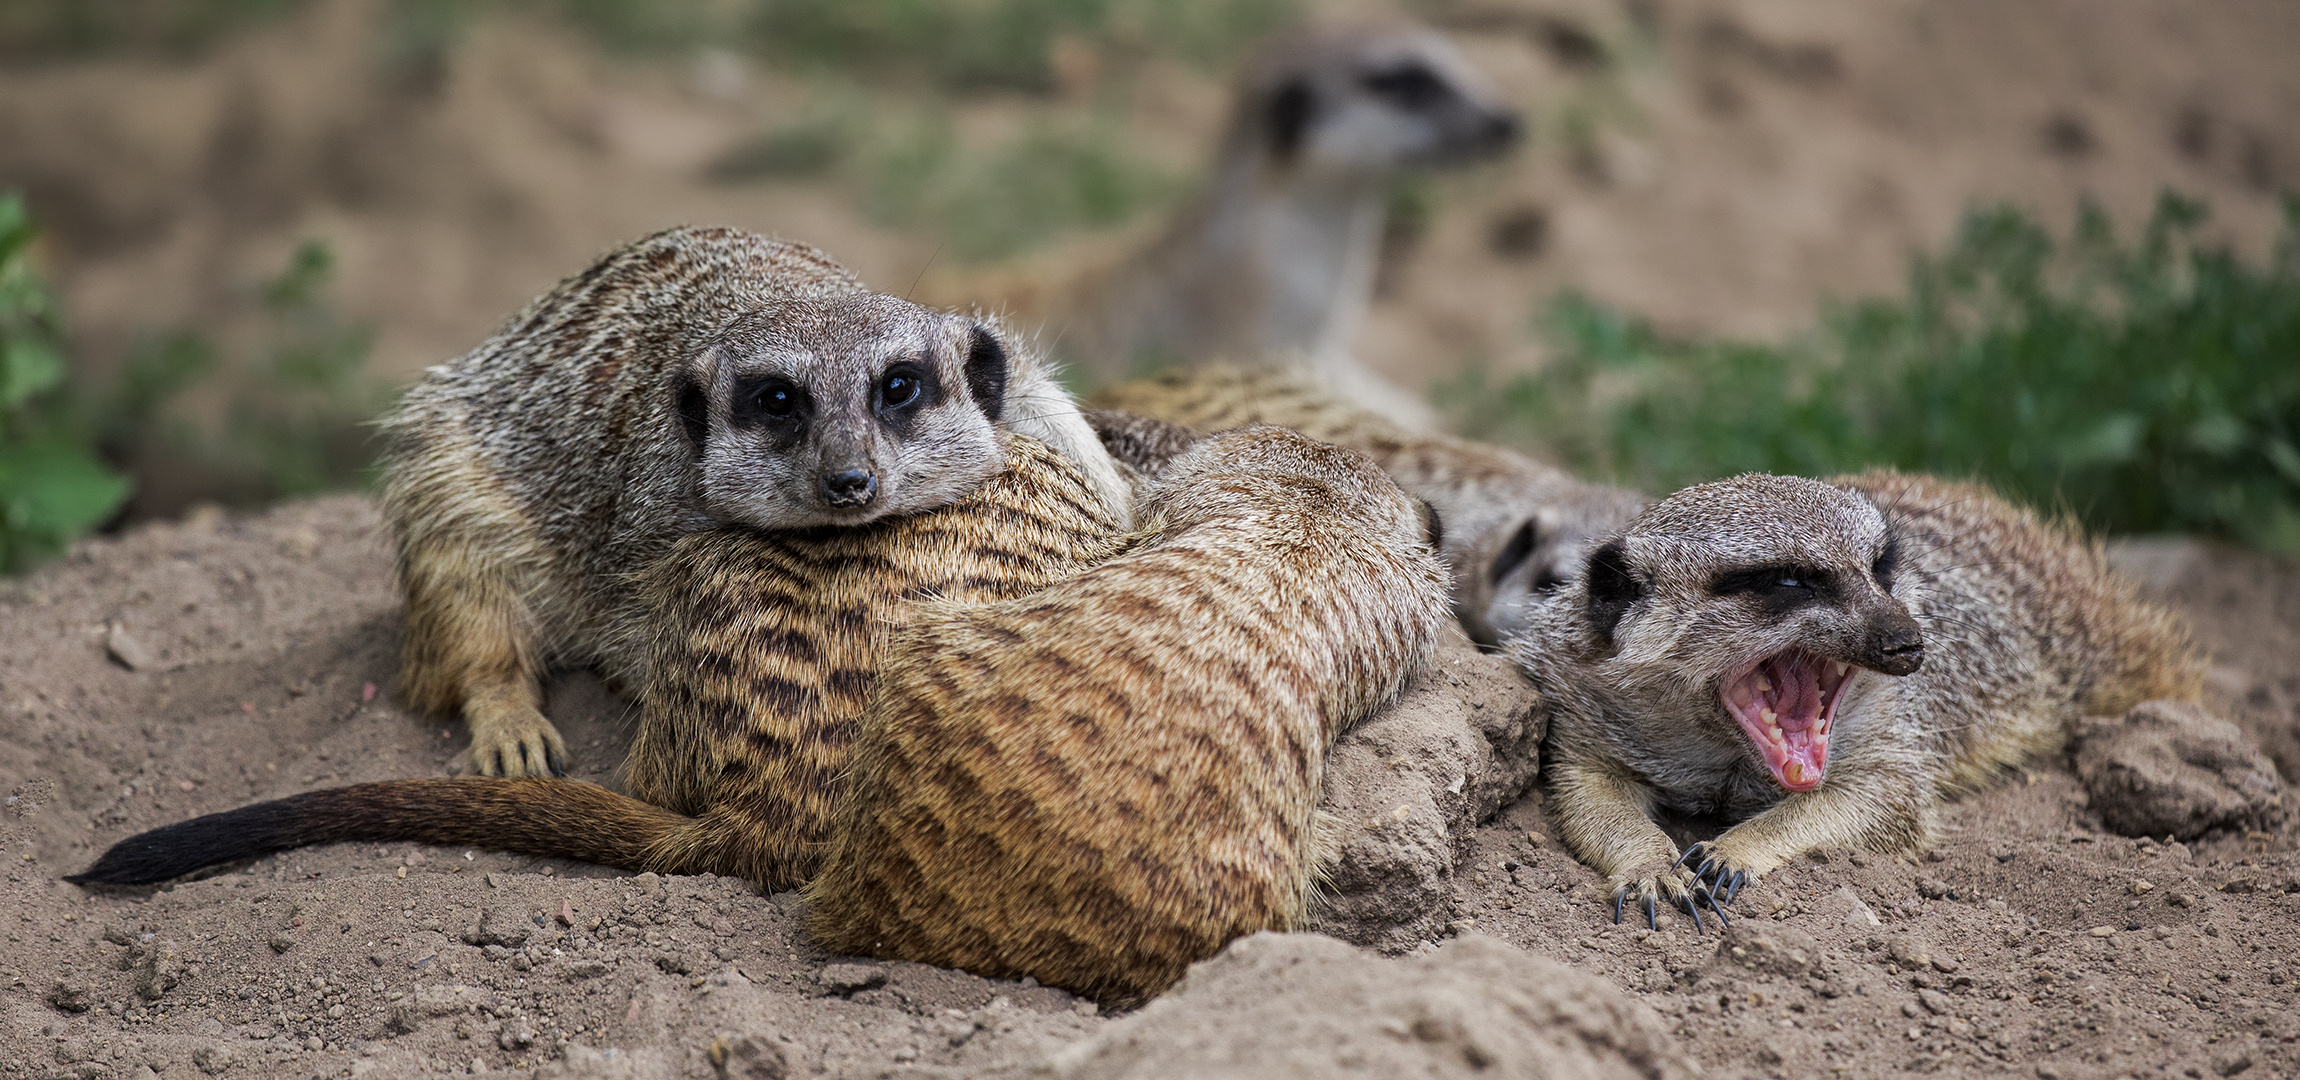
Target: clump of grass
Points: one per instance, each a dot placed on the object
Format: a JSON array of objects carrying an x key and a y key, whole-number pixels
[
  {"x": 294, "y": 408},
  {"x": 2145, "y": 386},
  {"x": 53, "y": 486},
  {"x": 994, "y": 201}
]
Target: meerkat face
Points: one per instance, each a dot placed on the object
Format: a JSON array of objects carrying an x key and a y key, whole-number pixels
[
  {"x": 1546, "y": 553},
  {"x": 1767, "y": 595},
  {"x": 1375, "y": 99},
  {"x": 842, "y": 411}
]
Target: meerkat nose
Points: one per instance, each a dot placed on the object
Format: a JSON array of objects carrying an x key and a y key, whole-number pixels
[{"x": 852, "y": 487}]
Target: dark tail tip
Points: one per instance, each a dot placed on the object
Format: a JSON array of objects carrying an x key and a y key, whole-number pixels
[{"x": 175, "y": 850}]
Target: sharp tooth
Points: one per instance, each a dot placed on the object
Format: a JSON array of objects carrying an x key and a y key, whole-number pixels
[
  {"x": 1821, "y": 726},
  {"x": 1839, "y": 668},
  {"x": 1764, "y": 685},
  {"x": 1796, "y": 772}
]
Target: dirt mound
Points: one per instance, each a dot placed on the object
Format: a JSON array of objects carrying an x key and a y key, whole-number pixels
[
  {"x": 2173, "y": 770},
  {"x": 1297, "y": 1005}
]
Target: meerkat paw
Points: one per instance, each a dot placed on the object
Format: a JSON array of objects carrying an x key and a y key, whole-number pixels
[
  {"x": 518, "y": 746},
  {"x": 1716, "y": 870},
  {"x": 1646, "y": 890}
]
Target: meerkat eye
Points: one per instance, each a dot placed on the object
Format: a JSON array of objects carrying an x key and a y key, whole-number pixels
[
  {"x": 778, "y": 400},
  {"x": 898, "y": 389},
  {"x": 1409, "y": 86},
  {"x": 1792, "y": 581}
]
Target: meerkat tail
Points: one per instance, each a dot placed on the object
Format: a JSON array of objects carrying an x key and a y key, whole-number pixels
[{"x": 560, "y": 819}]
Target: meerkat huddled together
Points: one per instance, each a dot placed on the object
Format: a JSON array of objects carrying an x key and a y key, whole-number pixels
[
  {"x": 1020, "y": 740},
  {"x": 694, "y": 378},
  {"x": 1821, "y": 662},
  {"x": 1512, "y": 530},
  {"x": 1106, "y": 781}
]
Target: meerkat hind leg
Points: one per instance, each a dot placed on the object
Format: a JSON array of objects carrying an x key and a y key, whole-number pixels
[{"x": 1607, "y": 819}]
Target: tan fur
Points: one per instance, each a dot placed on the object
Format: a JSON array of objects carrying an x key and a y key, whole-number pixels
[
  {"x": 1100, "y": 783},
  {"x": 529, "y": 479},
  {"x": 1511, "y": 528},
  {"x": 768, "y": 646},
  {"x": 2022, "y": 627}
]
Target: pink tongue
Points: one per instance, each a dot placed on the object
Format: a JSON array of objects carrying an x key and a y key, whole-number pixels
[{"x": 1799, "y": 759}]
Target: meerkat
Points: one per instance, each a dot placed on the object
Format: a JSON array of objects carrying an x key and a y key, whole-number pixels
[
  {"x": 764, "y": 655},
  {"x": 1821, "y": 662},
  {"x": 694, "y": 378},
  {"x": 1512, "y": 529},
  {"x": 1095, "y": 784},
  {"x": 1276, "y": 256},
  {"x": 1103, "y": 782}
]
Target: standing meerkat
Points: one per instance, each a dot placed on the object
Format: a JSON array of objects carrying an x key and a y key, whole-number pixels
[
  {"x": 1821, "y": 662},
  {"x": 765, "y": 652},
  {"x": 1512, "y": 530},
  {"x": 694, "y": 378},
  {"x": 1276, "y": 256},
  {"x": 1101, "y": 783}
]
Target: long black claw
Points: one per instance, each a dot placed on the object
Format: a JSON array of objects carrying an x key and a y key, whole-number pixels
[
  {"x": 1652, "y": 918},
  {"x": 1693, "y": 908},
  {"x": 1707, "y": 865},
  {"x": 1618, "y": 896},
  {"x": 1689, "y": 853},
  {"x": 556, "y": 761},
  {"x": 1740, "y": 878}
]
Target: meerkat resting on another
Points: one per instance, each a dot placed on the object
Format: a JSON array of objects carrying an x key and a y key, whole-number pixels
[
  {"x": 695, "y": 378},
  {"x": 1101, "y": 783},
  {"x": 1095, "y": 783},
  {"x": 1822, "y": 662},
  {"x": 764, "y": 657},
  {"x": 1512, "y": 530}
]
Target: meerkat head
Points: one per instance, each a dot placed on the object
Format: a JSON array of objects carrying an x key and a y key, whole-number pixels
[
  {"x": 1370, "y": 98},
  {"x": 1544, "y": 554},
  {"x": 842, "y": 410},
  {"x": 1769, "y": 595}
]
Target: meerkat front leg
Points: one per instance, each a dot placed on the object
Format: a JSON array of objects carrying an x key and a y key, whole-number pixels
[
  {"x": 1606, "y": 817},
  {"x": 471, "y": 647},
  {"x": 1888, "y": 813}
]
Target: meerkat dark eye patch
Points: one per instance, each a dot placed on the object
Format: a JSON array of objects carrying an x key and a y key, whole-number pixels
[
  {"x": 1291, "y": 107},
  {"x": 1409, "y": 86},
  {"x": 1613, "y": 588},
  {"x": 772, "y": 404},
  {"x": 1513, "y": 554},
  {"x": 986, "y": 372},
  {"x": 1778, "y": 588}
]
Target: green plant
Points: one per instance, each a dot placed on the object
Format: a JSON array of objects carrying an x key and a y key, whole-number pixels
[
  {"x": 994, "y": 201},
  {"x": 53, "y": 487},
  {"x": 2145, "y": 386},
  {"x": 294, "y": 410}
]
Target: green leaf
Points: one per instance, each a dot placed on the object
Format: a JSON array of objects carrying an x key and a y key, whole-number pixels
[
  {"x": 27, "y": 367},
  {"x": 50, "y": 492}
]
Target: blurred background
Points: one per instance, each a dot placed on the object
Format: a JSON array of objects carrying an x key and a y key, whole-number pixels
[{"x": 2047, "y": 242}]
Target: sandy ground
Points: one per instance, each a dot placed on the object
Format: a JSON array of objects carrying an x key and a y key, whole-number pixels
[{"x": 2033, "y": 942}]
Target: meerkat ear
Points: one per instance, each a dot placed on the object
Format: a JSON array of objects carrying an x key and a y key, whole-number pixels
[
  {"x": 1612, "y": 588},
  {"x": 986, "y": 372},
  {"x": 1291, "y": 106},
  {"x": 1513, "y": 553},
  {"x": 1433, "y": 525},
  {"x": 693, "y": 404}
]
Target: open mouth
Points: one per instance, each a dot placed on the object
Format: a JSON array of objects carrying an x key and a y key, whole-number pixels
[{"x": 1787, "y": 702}]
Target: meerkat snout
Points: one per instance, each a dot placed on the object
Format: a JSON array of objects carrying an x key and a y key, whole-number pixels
[{"x": 843, "y": 413}]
